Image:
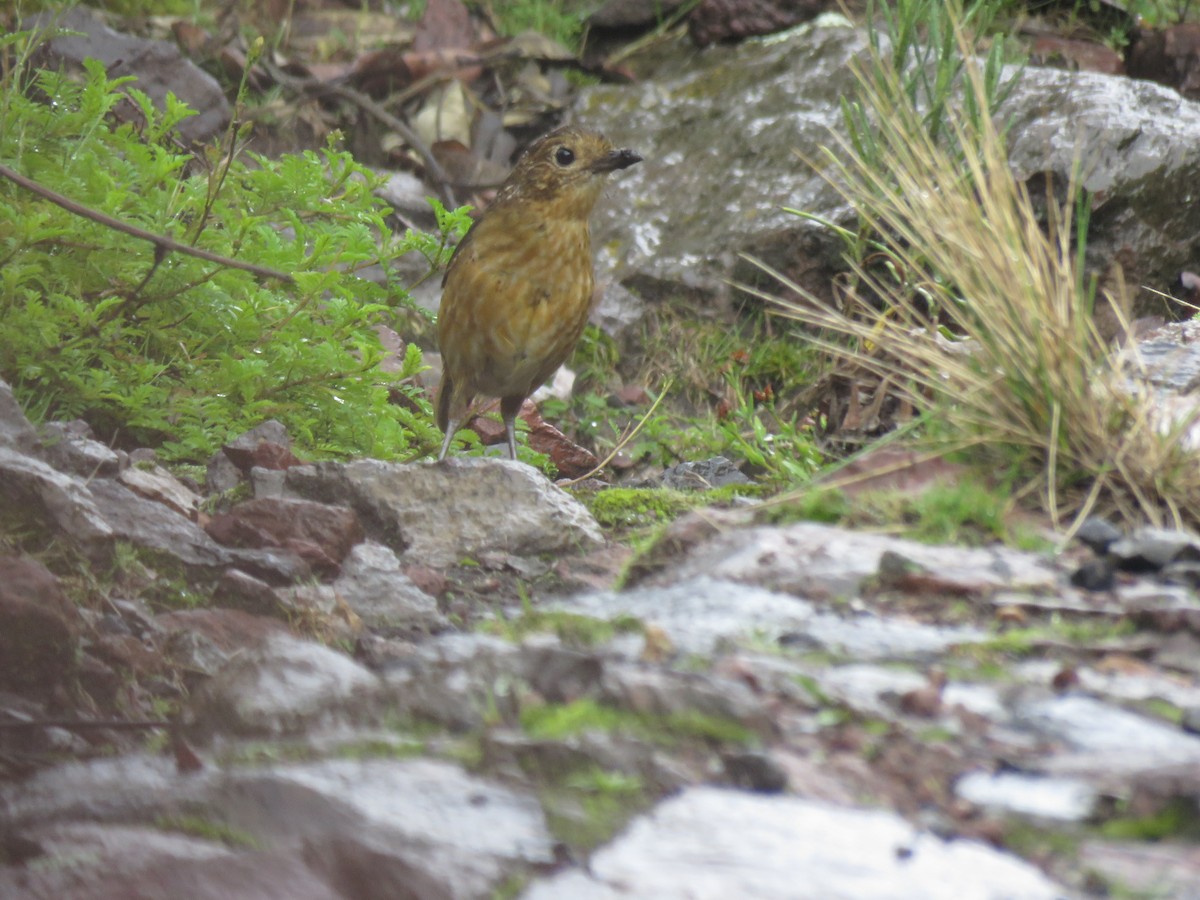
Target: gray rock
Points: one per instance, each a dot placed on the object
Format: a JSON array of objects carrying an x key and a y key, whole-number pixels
[
  {"x": 457, "y": 680},
  {"x": 124, "y": 788},
  {"x": 54, "y": 501},
  {"x": 372, "y": 585},
  {"x": 71, "y": 449},
  {"x": 15, "y": 431},
  {"x": 1097, "y": 534},
  {"x": 437, "y": 514},
  {"x": 664, "y": 693},
  {"x": 721, "y": 133},
  {"x": 1103, "y": 739},
  {"x": 159, "y": 66},
  {"x": 1153, "y": 549},
  {"x": 827, "y": 562},
  {"x": 155, "y": 527},
  {"x": 1031, "y": 796},
  {"x": 703, "y": 475},
  {"x": 701, "y": 615},
  {"x": 396, "y": 828},
  {"x": 711, "y": 843},
  {"x": 285, "y": 686}
]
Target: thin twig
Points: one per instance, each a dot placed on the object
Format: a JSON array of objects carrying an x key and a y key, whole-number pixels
[
  {"x": 625, "y": 440},
  {"x": 162, "y": 242},
  {"x": 313, "y": 86}
]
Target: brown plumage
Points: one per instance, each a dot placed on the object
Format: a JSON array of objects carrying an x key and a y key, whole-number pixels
[{"x": 518, "y": 289}]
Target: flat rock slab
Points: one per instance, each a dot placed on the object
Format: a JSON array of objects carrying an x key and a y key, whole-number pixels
[
  {"x": 284, "y": 686},
  {"x": 824, "y": 562},
  {"x": 438, "y": 514},
  {"x": 700, "y": 614},
  {"x": 713, "y": 843}
]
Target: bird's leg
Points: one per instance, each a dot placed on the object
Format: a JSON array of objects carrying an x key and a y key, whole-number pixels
[
  {"x": 451, "y": 427},
  {"x": 509, "y": 407}
]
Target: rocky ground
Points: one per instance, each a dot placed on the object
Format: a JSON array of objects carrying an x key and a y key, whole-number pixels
[{"x": 367, "y": 679}]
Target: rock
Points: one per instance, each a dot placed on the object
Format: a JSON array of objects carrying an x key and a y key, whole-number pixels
[
  {"x": 1169, "y": 56},
  {"x": 1153, "y": 549},
  {"x": 708, "y": 842},
  {"x": 1144, "y": 870},
  {"x": 823, "y": 562},
  {"x": 701, "y": 615},
  {"x": 319, "y": 534},
  {"x": 266, "y": 446},
  {"x": 385, "y": 598},
  {"x": 1105, "y": 740},
  {"x": 656, "y": 693},
  {"x": 157, "y": 484},
  {"x": 392, "y": 828},
  {"x": 1097, "y": 534},
  {"x": 15, "y": 431},
  {"x": 68, "y": 446},
  {"x": 453, "y": 679},
  {"x": 630, "y": 13},
  {"x": 703, "y": 476},
  {"x": 53, "y": 502},
  {"x": 754, "y": 770},
  {"x": 155, "y": 527},
  {"x": 284, "y": 686},
  {"x": 439, "y": 514},
  {"x": 1048, "y": 800},
  {"x": 38, "y": 627},
  {"x": 734, "y": 20},
  {"x": 201, "y": 641},
  {"x": 1095, "y": 575},
  {"x": 721, "y": 165},
  {"x": 158, "y": 66}
]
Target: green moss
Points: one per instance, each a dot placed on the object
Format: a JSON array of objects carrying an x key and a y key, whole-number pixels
[
  {"x": 1179, "y": 818},
  {"x": 968, "y": 512},
  {"x": 571, "y": 628},
  {"x": 557, "y": 721},
  {"x": 585, "y": 808},
  {"x": 637, "y": 507},
  {"x": 1029, "y": 840},
  {"x": 209, "y": 830}
]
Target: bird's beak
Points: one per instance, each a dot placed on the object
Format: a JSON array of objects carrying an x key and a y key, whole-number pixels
[{"x": 618, "y": 159}]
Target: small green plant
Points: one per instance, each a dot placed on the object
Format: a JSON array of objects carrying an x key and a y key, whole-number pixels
[
  {"x": 558, "y": 721},
  {"x": 164, "y": 349},
  {"x": 571, "y": 628}
]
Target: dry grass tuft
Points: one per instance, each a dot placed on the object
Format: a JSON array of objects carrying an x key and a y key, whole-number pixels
[{"x": 987, "y": 325}]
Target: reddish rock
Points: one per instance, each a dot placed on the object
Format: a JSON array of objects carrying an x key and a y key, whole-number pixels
[
  {"x": 319, "y": 534},
  {"x": 267, "y": 447},
  {"x": 733, "y": 20},
  {"x": 1170, "y": 56},
  {"x": 38, "y": 626},
  {"x": 228, "y": 629}
]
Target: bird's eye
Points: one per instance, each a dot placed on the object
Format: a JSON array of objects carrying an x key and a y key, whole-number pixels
[{"x": 564, "y": 156}]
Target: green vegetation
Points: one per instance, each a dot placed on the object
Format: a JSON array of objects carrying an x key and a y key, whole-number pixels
[
  {"x": 557, "y": 721},
  {"x": 209, "y": 830},
  {"x": 586, "y": 807},
  {"x": 966, "y": 512},
  {"x": 1177, "y": 818},
  {"x": 571, "y": 628},
  {"x": 739, "y": 392},
  {"x": 164, "y": 349}
]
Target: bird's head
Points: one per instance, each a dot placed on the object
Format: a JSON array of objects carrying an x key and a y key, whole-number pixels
[{"x": 569, "y": 165}]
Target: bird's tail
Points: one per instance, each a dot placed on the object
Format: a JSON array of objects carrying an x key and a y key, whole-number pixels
[{"x": 445, "y": 392}]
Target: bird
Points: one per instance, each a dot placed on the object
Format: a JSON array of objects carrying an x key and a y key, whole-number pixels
[{"x": 517, "y": 291}]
